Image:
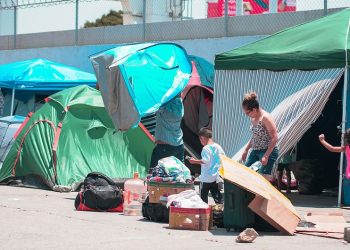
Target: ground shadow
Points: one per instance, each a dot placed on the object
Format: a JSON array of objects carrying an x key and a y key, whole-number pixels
[
  {"x": 313, "y": 201},
  {"x": 150, "y": 221},
  {"x": 72, "y": 199}
]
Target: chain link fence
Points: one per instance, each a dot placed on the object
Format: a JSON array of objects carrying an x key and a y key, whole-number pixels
[{"x": 82, "y": 22}]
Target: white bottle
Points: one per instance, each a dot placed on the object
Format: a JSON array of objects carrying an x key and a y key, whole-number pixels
[{"x": 134, "y": 192}]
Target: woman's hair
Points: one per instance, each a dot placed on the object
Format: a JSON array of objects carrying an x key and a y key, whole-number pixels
[
  {"x": 347, "y": 137},
  {"x": 205, "y": 132},
  {"x": 250, "y": 101}
]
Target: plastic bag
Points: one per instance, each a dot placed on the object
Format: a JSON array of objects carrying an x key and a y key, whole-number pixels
[{"x": 186, "y": 199}]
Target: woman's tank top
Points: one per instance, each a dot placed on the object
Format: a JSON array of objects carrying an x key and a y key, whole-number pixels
[{"x": 260, "y": 136}]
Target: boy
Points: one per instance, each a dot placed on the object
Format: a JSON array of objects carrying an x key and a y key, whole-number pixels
[{"x": 210, "y": 164}]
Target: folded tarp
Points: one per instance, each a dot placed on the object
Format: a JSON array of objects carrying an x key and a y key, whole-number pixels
[{"x": 135, "y": 80}]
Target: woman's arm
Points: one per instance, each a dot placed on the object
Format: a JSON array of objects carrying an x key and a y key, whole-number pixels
[
  {"x": 330, "y": 147},
  {"x": 270, "y": 126}
]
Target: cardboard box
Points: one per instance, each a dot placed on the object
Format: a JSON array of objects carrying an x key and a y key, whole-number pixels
[
  {"x": 158, "y": 192},
  {"x": 269, "y": 203},
  {"x": 275, "y": 214},
  {"x": 189, "y": 218}
]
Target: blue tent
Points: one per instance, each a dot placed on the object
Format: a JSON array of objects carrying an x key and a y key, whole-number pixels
[
  {"x": 135, "y": 80},
  {"x": 40, "y": 76},
  {"x": 8, "y": 127}
]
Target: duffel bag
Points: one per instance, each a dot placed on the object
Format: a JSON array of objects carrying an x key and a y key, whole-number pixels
[{"x": 99, "y": 193}]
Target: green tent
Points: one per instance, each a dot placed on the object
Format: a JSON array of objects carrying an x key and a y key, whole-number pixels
[
  {"x": 71, "y": 136},
  {"x": 323, "y": 43}
]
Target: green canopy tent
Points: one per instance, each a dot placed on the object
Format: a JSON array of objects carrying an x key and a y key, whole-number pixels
[
  {"x": 320, "y": 44},
  {"x": 291, "y": 64},
  {"x": 71, "y": 136}
]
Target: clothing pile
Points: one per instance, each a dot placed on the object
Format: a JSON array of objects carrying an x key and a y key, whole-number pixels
[
  {"x": 170, "y": 169},
  {"x": 186, "y": 199}
]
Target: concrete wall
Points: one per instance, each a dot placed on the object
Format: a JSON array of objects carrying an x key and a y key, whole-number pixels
[
  {"x": 164, "y": 31},
  {"x": 78, "y": 55}
]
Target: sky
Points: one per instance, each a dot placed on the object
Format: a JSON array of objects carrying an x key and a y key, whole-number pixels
[
  {"x": 62, "y": 17},
  {"x": 55, "y": 17}
]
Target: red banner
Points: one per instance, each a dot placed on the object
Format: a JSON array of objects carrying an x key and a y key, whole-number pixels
[{"x": 250, "y": 7}]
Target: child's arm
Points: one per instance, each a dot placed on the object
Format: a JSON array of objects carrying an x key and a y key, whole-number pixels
[
  {"x": 330, "y": 147},
  {"x": 205, "y": 154},
  {"x": 195, "y": 161}
]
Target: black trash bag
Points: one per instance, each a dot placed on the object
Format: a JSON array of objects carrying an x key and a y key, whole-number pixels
[{"x": 156, "y": 212}]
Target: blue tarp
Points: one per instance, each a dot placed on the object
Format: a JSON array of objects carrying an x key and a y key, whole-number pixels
[
  {"x": 144, "y": 76},
  {"x": 41, "y": 74}
]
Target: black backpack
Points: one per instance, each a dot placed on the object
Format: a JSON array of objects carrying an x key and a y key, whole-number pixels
[{"x": 99, "y": 193}]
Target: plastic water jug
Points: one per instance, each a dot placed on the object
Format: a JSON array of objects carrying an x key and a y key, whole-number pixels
[{"x": 134, "y": 193}]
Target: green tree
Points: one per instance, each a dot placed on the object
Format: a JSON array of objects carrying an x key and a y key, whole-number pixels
[{"x": 111, "y": 19}]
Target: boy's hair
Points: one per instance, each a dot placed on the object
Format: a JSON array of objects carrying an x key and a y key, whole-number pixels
[
  {"x": 205, "y": 132},
  {"x": 347, "y": 137}
]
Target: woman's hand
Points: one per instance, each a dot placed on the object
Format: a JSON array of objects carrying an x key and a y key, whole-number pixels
[
  {"x": 321, "y": 137},
  {"x": 264, "y": 160}
]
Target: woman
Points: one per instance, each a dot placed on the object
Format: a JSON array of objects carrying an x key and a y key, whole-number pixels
[{"x": 262, "y": 145}]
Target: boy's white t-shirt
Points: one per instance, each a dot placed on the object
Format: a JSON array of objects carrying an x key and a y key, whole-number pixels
[{"x": 211, "y": 162}]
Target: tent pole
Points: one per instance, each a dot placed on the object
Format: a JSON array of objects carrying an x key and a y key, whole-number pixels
[
  {"x": 12, "y": 100},
  {"x": 343, "y": 128}
]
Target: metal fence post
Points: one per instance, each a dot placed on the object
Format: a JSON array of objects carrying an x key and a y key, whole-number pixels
[
  {"x": 226, "y": 17},
  {"x": 273, "y": 6},
  {"x": 239, "y": 8},
  {"x": 15, "y": 28},
  {"x": 144, "y": 21},
  {"x": 76, "y": 22},
  {"x": 325, "y": 7}
]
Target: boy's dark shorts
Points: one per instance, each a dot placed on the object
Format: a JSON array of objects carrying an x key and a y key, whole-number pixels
[{"x": 282, "y": 166}]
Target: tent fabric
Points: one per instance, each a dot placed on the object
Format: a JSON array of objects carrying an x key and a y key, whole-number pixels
[
  {"x": 198, "y": 98},
  {"x": 294, "y": 98},
  {"x": 202, "y": 80},
  {"x": 199, "y": 79},
  {"x": 323, "y": 43},
  {"x": 25, "y": 101},
  {"x": 41, "y": 74},
  {"x": 12, "y": 119},
  {"x": 205, "y": 71},
  {"x": 73, "y": 135},
  {"x": 8, "y": 128},
  {"x": 146, "y": 76}
]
